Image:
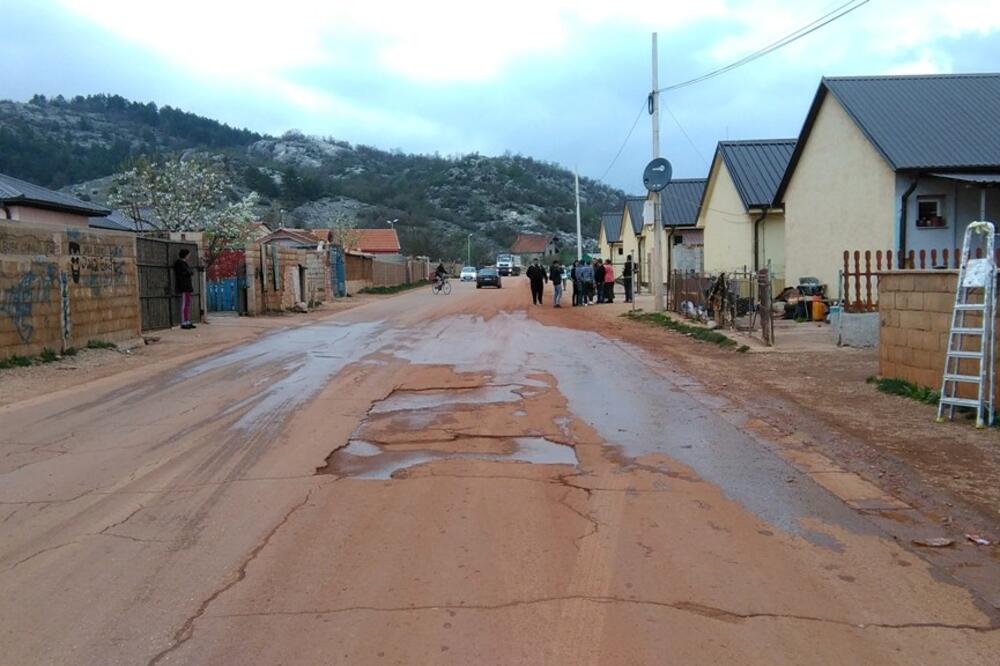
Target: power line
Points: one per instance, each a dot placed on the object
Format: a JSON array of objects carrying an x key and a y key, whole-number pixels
[
  {"x": 627, "y": 137},
  {"x": 684, "y": 132},
  {"x": 809, "y": 28}
]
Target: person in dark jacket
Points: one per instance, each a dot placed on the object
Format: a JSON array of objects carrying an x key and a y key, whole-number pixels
[
  {"x": 537, "y": 277},
  {"x": 599, "y": 280},
  {"x": 556, "y": 277},
  {"x": 577, "y": 288},
  {"x": 627, "y": 278},
  {"x": 185, "y": 286}
]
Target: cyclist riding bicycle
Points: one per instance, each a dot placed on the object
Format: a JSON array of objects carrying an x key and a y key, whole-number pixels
[{"x": 441, "y": 274}]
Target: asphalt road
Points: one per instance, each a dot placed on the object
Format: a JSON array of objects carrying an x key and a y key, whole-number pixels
[{"x": 431, "y": 479}]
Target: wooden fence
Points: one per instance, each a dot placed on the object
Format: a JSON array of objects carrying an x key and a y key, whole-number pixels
[{"x": 861, "y": 269}]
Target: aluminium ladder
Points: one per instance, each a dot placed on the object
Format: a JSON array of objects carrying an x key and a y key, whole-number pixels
[{"x": 969, "y": 356}]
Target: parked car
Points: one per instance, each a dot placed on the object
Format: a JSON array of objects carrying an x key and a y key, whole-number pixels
[
  {"x": 488, "y": 276},
  {"x": 468, "y": 274}
]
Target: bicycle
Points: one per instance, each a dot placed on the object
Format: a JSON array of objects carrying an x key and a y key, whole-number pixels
[{"x": 441, "y": 285}]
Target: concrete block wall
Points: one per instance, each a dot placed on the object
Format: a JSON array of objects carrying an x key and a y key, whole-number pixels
[
  {"x": 62, "y": 286},
  {"x": 915, "y": 311}
]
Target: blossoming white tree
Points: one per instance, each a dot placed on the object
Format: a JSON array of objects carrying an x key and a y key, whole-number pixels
[{"x": 187, "y": 195}]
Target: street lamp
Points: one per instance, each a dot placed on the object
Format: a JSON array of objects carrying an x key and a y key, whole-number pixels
[
  {"x": 469, "y": 258},
  {"x": 392, "y": 223}
]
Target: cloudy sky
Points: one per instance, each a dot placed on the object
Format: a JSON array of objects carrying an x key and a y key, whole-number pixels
[{"x": 560, "y": 80}]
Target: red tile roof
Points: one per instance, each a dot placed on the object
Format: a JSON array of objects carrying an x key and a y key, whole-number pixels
[
  {"x": 530, "y": 243},
  {"x": 378, "y": 241}
]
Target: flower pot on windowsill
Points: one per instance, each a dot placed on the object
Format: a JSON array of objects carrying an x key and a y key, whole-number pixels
[{"x": 936, "y": 222}]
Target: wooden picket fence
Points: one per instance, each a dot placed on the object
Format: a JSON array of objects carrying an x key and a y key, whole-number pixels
[{"x": 861, "y": 269}]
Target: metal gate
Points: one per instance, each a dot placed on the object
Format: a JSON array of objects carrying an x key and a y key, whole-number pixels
[{"x": 159, "y": 305}]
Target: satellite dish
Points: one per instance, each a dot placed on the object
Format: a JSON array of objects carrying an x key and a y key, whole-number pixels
[{"x": 657, "y": 174}]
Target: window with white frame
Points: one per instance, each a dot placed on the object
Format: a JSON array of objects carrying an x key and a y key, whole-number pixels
[{"x": 930, "y": 212}]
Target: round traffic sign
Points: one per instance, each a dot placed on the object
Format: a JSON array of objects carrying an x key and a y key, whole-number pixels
[{"x": 657, "y": 174}]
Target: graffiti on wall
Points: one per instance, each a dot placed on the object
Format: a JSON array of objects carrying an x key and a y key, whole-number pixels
[{"x": 34, "y": 287}]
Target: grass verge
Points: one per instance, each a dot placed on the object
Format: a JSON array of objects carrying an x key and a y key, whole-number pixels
[
  {"x": 696, "y": 332},
  {"x": 392, "y": 290},
  {"x": 906, "y": 389},
  {"x": 101, "y": 344}
]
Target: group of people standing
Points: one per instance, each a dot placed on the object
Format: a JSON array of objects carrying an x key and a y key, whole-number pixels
[{"x": 593, "y": 282}]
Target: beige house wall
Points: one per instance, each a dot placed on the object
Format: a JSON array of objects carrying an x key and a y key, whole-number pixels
[
  {"x": 42, "y": 216},
  {"x": 728, "y": 228},
  {"x": 602, "y": 242},
  {"x": 840, "y": 197},
  {"x": 772, "y": 243}
]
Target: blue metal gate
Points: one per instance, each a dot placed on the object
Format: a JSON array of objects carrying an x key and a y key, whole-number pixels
[{"x": 223, "y": 295}]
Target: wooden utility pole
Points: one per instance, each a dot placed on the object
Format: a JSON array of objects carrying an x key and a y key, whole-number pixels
[{"x": 656, "y": 272}]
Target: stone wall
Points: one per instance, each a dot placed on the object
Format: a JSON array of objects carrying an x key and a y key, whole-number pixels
[
  {"x": 302, "y": 276},
  {"x": 63, "y": 286},
  {"x": 915, "y": 311}
]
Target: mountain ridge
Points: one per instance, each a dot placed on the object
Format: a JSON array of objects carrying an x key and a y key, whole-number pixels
[{"x": 437, "y": 202}]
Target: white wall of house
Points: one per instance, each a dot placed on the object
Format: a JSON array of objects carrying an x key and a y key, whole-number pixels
[{"x": 841, "y": 196}]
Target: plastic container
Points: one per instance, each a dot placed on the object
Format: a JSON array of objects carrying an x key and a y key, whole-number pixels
[{"x": 818, "y": 310}]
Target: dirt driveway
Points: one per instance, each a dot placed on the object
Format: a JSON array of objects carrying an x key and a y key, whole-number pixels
[{"x": 463, "y": 479}]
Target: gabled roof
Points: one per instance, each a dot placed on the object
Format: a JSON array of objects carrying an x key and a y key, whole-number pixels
[
  {"x": 612, "y": 224},
  {"x": 379, "y": 241},
  {"x": 530, "y": 243},
  {"x": 940, "y": 121},
  {"x": 14, "y": 191},
  {"x": 680, "y": 200},
  {"x": 756, "y": 168},
  {"x": 634, "y": 206}
]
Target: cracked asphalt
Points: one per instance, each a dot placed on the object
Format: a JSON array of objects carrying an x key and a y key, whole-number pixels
[{"x": 445, "y": 480}]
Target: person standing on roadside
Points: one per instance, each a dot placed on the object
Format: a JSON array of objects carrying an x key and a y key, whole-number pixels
[
  {"x": 556, "y": 278},
  {"x": 585, "y": 274},
  {"x": 185, "y": 286},
  {"x": 536, "y": 276},
  {"x": 627, "y": 273},
  {"x": 576, "y": 283},
  {"x": 599, "y": 280},
  {"x": 609, "y": 282}
]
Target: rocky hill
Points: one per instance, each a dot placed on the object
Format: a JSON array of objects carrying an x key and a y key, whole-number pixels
[{"x": 438, "y": 201}]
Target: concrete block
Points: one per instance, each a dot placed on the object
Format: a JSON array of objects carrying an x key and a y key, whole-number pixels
[{"x": 914, "y": 320}]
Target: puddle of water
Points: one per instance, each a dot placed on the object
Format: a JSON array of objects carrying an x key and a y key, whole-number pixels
[
  {"x": 418, "y": 400},
  {"x": 364, "y": 460}
]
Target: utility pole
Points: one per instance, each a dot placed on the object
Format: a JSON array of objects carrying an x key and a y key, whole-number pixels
[
  {"x": 579, "y": 238},
  {"x": 468, "y": 261},
  {"x": 657, "y": 267}
]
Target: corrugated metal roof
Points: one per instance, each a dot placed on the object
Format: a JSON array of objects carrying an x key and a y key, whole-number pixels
[
  {"x": 635, "y": 205},
  {"x": 118, "y": 221},
  {"x": 680, "y": 200},
  {"x": 16, "y": 191},
  {"x": 612, "y": 224},
  {"x": 757, "y": 168},
  {"x": 926, "y": 122}
]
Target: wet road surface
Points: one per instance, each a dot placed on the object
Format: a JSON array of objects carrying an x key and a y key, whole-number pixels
[{"x": 443, "y": 480}]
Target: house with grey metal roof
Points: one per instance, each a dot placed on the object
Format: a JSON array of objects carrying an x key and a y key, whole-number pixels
[
  {"x": 899, "y": 163},
  {"x": 744, "y": 229},
  {"x": 119, "y": 221},
  {"x": 683, "y": 240},
  {"x": 610, "y": 233},
  {"x": 27, "y": 202}
]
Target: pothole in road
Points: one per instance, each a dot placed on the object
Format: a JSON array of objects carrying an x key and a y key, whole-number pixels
[
  {"x": 367, "y": 460},
  {"x": 508, "y": 423}
]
